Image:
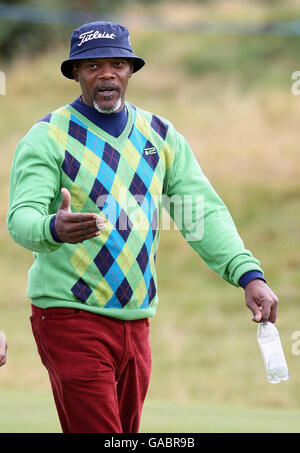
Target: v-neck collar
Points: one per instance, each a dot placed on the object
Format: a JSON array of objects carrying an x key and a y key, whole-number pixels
[{"x": 114, "y": 141}]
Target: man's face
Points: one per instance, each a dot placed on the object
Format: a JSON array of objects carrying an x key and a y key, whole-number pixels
[{"x": 103, "y": 82}]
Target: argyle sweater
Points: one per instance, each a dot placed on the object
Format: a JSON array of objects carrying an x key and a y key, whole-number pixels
[{"x": 127, "y": 180}]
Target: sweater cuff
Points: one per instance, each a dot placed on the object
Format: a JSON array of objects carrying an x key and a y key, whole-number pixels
[
  {"x": 248, "y": 276},
  {"x": 53, "y": 231}
]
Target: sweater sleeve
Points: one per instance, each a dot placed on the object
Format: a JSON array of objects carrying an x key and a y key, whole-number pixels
[
  {"x": 203, "y": 219},
  {"x": 34, "y": 184}
]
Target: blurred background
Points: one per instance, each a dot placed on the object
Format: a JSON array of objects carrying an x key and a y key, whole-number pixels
[{"x": 221, "y": 71}]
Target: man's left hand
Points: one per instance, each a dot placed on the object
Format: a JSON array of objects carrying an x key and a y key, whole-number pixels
[
  {"x": 3, "y": 348},
  {"x": 258, "y": 294}
]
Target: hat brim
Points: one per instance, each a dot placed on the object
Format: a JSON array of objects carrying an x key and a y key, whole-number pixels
[{"x": 102, "y": 52}]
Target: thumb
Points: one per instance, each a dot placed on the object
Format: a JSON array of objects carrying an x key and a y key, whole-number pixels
[
  {"x": 66, "y": 202},
  {"x": 257, "y": 316},
  {"x": 256, "y": 312}
]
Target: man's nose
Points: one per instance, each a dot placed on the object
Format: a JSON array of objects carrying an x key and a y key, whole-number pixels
[{"x": 106, "y": 71}]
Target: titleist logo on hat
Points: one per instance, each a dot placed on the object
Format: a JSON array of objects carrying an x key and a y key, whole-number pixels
[{"x": 89, "y": 35}]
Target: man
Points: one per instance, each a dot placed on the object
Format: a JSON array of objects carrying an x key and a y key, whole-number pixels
[{"x": 86, "y": 192}]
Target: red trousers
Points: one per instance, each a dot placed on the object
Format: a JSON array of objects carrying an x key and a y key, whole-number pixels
[{"x": 99, "y": 368}]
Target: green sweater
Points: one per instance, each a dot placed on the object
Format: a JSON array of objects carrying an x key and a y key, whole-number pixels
[{"x": 128, "y": 180}]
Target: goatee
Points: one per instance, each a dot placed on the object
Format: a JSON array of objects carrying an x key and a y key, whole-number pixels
[{"x": 108, "y": 109}]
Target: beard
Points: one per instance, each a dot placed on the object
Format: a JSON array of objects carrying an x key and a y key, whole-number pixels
[{"x": 109, "y": 108}]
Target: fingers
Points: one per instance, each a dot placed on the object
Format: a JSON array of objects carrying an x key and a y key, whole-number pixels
[
  {"x": 85, "y": 226},
  {"x": 257, "y": 315},
  {"x": 269, "y": 305},
  {"x": 273, "y": 310},
  {"x": 83, "y": 237},
  {"x": 81, "y": 233},
  {"x": 2, "y": 359},
  {"x": 74, "y": 228},
  {"x": 81, "y": 217},
  {"x": 261, "y": 300},
  {"x": 3, "y": 348},
  {"x": 3, "y": 344},
  {"x": 265, "y": 311}
]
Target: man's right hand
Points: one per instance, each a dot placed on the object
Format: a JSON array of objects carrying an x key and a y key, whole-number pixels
[{"x": 73, "y": 228}]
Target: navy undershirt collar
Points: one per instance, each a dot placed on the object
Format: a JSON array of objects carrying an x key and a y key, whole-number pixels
[{"x": 112, "y": 123}]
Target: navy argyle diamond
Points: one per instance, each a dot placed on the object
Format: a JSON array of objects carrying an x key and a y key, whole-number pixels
[
  {"x": 124, "y": 225},
  {"x": 98, "y": 190},
  {"x": 111, "y": 156},
  {"x": 151, "y": 155},
  {"x": 143, "y": 258},
  {"x": 124, "y": 292},
  {"x": 137, "y": 187},
  {"x": 78, "y": 132},
  {"x": 151, "y": 289},
  {"x": 70, "y": 165},
  {"x": 159, "y": 127},
  {"x": 81, "y": 290},
  {"x": 104, "y": 260}
]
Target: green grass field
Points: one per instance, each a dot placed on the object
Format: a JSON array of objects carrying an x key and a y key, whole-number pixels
[
  {"x": 33, "y": 412},
  {"x": 231, "y": 98}
]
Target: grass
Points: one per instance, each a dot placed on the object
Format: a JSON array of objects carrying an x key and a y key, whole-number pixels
[
  {"x": 28, "y": 412},
  {"x": 243, "y": 60},
  {"x": 34, "y": 412},
  {"x": 184, "y": 418},
  {"x": 246, "y": 138}
]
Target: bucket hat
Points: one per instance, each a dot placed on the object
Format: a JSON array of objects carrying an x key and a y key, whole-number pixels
[{"x": 100, "y": 40}]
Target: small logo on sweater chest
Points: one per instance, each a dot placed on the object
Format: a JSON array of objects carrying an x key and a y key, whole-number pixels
[{"x": 150, "y": 150}]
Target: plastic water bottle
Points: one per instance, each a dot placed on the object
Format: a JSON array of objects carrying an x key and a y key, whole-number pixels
[{"x": 270, "y": 345}]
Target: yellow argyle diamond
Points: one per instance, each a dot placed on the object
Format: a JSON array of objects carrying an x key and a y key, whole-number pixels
[
  {"x": 78, "y": 197},
  {"x": 91, "y": 161},
  {"x": 81, "y": 260}
]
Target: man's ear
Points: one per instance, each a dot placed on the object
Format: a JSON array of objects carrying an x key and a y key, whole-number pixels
[
  {"x": 131, "y": 67},
  {"x": 75, "y": 72}
]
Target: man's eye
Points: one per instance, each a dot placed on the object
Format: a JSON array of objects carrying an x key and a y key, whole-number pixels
[
  {"x": 119, "y": 63},
  {"x": 92, "y": 66}
]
